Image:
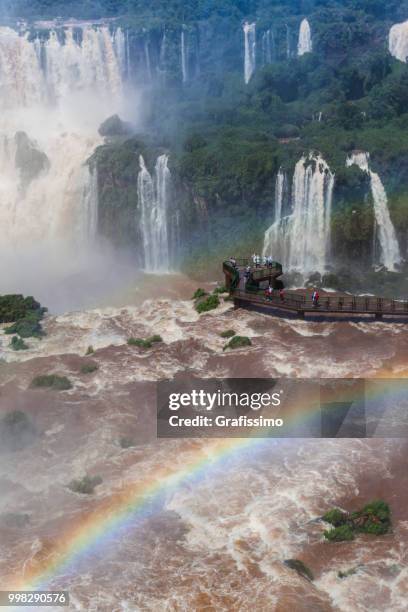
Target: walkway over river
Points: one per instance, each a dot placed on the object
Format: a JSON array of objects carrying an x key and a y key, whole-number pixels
[{"x": 299, "y": 302}]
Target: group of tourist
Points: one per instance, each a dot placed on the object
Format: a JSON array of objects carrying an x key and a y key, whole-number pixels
[
  {"x": 269, "y": 293},
  {"x": 265, "y": 260}
]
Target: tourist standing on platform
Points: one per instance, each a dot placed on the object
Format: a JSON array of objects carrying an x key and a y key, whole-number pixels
[
  {"x": 315, "y": 298},
  {"x": 282, "y": 295}
]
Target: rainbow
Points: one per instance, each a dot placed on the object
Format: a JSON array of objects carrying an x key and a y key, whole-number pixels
[{"x": 122, "y": 509}]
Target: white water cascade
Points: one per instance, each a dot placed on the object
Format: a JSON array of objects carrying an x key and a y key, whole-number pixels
[
  {"x": 273, "y": 241},
  {"x": 55, "y": 91},
  {"x": 153, "y": 199},
  {"x": 267, "y": 47},
  {"x": 301, "y": 241},
  {"x": 250, "y": 50},
  {"x": 390, "y": 254},
  {"x": 183, "y": 56},
  {"x": 398, "y": 41},
  {"x": 305, "y": 44}
]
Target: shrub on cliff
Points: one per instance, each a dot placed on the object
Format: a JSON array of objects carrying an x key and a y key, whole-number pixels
[
  {"x": 25, "y": 313},
  {"x": 85, "y": 485},
  {"x": 209, "y": 303},
  {"x": 238, "y": 342},
  {"x": 89, "y": 368},
  {"x": 200, "y": 293},
  {"x": 51, "y": 381},
  {"x": 374, "y": 519},
  {"x": 228, "y": 333},
  {"x": 17, "y": 344},
  {"x": 335, "y": 517},
  {"x": 221, "y": 289},
  {"x": 339, "y": 534},
  {"x": 145, "y": 343},
  {"x": 15, "y": 307}
]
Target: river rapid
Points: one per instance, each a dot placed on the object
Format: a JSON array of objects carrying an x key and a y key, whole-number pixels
[{"x": 217, "y": 541}]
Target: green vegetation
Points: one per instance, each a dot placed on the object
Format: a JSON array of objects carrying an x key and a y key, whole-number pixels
[
  {"x": 24, "y": 313},
  {"x": 18, "y": 344},
  {"x": 228, "y": 333},
  {"x": 51, "y": 381},
  {"x": 85, "y": 485},
  {"x": 373, "y": 519},
  {"x": 347, "y": 573},
  {"x": 89, "y": 350},
  {"x": 342, "y": 533},
  {"x": 300, "y": 567},
  {"x": 209, "y": 303},
  {"x": 200, "y": 293},
  {"x": 335, "y": 517},
  {"x": 126, "y": 442},
  {"x": 238, "y": 342},
  {"x": 145, "y": 343},
  {"x": 221, "y": 289},
  {"x": 89, "y": 368},
  {"x": 17, "y": 307}
]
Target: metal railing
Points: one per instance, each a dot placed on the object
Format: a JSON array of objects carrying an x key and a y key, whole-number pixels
[{"x": 327, "y": 303}]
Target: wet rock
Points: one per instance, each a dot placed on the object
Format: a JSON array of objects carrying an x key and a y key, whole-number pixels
[
  {"x": 29, "y": 160},
  {"x": 114, "y": 126},
  {"x": 299, "y": 567},
  {"x": 16, "y": 431}
]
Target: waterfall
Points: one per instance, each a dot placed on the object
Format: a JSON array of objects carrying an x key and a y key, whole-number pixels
[
  {"x": 390, "y": 254},
  {"x": 153, "y": 198},
  {"x": 250, "y": 50},
  {"x": 273, "y": 243},
  {"x": 128, "y": 63},
  {"x": 305, "y": 44},
  {"x": 120, "y": 49},
  {"x": 398, "y": 41},
  {"x": 88, "y": 221},
  {"x": 147, "y": 60},
  {"x": 288, "y": 43},
  {"x": 267, "y": 46},
  {"x": 55, "y": 91},
  {"x": 301, "y": 241},
  {"x": 183, "y": 57}
]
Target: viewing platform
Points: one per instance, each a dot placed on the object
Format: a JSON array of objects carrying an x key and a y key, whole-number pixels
[{"x": 249, "y": 292}]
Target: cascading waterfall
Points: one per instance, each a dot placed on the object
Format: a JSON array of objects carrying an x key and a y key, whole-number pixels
[
  {"x": 183, "y": 56},
  {"x": 398, "y": 41},
  {"x": 250, "y": 50},
  {"x": 301, "y": 241},
  {"x": 88, "y": 222},
  {"x": 147, "y": 60},
  {"x": 305, "y": 44},
  {"x": 153, "y": 199},
  {"x": 390, "y": 254},
  {"x": 288, "y": 43},
  {"x": 267, "y": 47},
  {"x": 273, "y": 242},
  {"x": 55, "y": 92}
]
